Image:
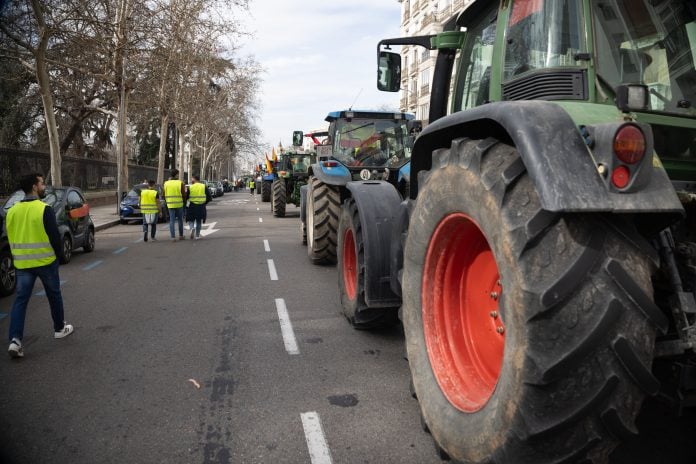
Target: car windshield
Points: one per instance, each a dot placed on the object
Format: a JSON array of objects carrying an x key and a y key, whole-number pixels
[
  {"x": 650, "y": 43},
  {"x": 371, "y": 142},
  {"x": 52, "y": 197}
]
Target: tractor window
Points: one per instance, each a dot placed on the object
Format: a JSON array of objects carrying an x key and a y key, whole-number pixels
[
  {"x": 543, "y": 34},
  {"x": 371, "y": 142},
  {"x": 475, "y": 60},
  {"x": 650, "y": 43}
]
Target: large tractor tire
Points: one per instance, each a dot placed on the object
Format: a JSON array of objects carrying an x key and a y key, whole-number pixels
[
  {"x": 266, "y": 191},
  {"x": 323, "y": 209},
  {"x": 529, "y": 334},
  {"x": 279, "y": 198},
  {"x": 351, "y": 274}
]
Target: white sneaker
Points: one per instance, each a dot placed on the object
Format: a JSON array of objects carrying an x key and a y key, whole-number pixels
[
  {"x": 67, "y": 330},
  {"x": 15, "y": 350}
]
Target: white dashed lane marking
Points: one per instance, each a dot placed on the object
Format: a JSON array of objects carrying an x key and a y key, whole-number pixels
[
  {"x": 266, "y": 246},
  {"x": 316, "y": 443},
  {"x": 272, "y": 269},
  {"x": 286, "y": 327}
]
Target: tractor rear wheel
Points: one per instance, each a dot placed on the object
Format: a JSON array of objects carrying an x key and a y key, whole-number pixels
[
  {"x": 279, "y": 198},
  {"x": 351, "y": 274},
  {"x": 529, "y": 334},
  {"x": 266, "y": 191},
  {"x": 323, "y": 209}
]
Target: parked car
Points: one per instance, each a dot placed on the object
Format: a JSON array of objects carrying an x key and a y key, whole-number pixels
[
  {"x": 213, "y": 187},
  {"x": 72, "y": 215},
  {"x": 130, "y": 204},
  {"x": 8, "y": 280}
]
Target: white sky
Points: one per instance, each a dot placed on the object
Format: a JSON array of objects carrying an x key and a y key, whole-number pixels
[{"x": 318, "y": 55}]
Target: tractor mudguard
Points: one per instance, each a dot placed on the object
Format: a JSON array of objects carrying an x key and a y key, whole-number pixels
[
  {"x": 335, "y": 175},
  {"x": 554, "y": 154},
  {"x": 377, "y": 203}
]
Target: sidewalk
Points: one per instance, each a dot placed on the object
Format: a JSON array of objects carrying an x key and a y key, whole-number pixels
[{"x": 104, "y": 216}]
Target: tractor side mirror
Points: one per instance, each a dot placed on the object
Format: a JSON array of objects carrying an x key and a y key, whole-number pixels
[
  {"x": 389, "y": 71},
  {"x": 297, "y": 137}
]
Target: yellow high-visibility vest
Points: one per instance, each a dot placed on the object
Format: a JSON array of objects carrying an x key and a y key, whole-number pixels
[
  {"x": 172, "y": 194},
  {"x": 197, "y": 193},
  {"x": 148, "y": 202},
  {"x": 28, "y": 239},
  {"x": 252, "y": 184}
]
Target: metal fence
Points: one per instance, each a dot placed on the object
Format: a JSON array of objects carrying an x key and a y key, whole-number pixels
[{"x": 87, "y": 174}]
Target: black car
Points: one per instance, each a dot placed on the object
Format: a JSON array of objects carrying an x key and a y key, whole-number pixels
[
  {"x": 72, "y": 215},
  {"x": 130, "y": 205},
  {"x": 8, "y": 280}
]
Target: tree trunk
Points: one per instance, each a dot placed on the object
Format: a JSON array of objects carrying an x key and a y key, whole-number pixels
[
  {"x": 46, "y": 97},
  {"x": 162, "y": 148}
]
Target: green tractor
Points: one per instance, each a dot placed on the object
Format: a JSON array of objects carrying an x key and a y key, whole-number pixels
[
  {"x": 290, "y": 173},
  {"x": 545, "y": 257}
]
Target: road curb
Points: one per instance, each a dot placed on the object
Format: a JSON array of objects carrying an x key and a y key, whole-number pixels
[{"x": 106, "y": 225}]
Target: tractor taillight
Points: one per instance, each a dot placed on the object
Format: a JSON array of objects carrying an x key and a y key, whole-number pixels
[
  {"x": 629, "y": 145},
  {"x": 620, "y": 177}
]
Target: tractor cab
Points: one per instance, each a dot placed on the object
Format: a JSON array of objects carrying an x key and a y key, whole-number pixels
[{"x": 369, "y": 139}]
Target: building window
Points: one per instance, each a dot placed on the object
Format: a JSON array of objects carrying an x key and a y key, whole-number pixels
[
  {"x": 424, "y": 111},
  {"x": 425, "y": 77}
]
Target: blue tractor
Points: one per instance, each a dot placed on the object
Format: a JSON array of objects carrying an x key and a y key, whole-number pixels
[{"x": 362, "y": 147}]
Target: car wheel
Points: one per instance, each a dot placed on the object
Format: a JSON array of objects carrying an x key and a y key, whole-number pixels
[
  {"x": 8, "y": 276},
  {"x": 67, "y": 249},
  {"x": 89, "y": 241}
]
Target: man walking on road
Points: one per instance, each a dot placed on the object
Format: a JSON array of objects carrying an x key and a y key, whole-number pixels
[
  {"x": 150, "y": 208},
  {"x": 36, "y": 246},
  {"x": 199, "y": 196},
  {"x": 252, "y": 186},
  {"x": 174, "y": 196}
]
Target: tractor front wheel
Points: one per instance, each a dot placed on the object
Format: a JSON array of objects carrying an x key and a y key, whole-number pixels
[
  {"x": 529, "y": 334},
  {"x": 279, "y": 198},
  {"x": 266, "y": 191},
  {"x": 323, "y": 209}
]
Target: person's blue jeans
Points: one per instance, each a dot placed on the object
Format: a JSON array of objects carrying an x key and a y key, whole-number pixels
[
  {"x": 197, "y": 223},
  {"x": 25, "y": 285},
  {"x": 176, "y": 214}
]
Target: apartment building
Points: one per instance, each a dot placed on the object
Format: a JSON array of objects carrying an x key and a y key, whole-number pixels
[{"x": 421, "y": 17}]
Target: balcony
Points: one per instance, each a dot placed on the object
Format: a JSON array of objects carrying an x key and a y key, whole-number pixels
[
  {"x": 424, "y": 90},
  {"x": 457, "y": 5},
  {"x": 429, "y": 18}
]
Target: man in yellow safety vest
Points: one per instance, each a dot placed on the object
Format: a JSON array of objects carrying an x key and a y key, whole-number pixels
[
  {"x": 36, "y": 248},
  {"x": 174, "y": 196},
  {"x": 150, "y": 208},
  {"x": 199, "y": 196}
]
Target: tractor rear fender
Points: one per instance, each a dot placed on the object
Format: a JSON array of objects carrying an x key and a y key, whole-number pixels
[
  {"x": 554, "y": 154},
  {"x": 335, "y": 174},
  {"x": 377, "y": 203}
]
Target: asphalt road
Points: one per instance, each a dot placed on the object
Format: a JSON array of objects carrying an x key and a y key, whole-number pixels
[
  {"x": 207, "y": 352},
  {"x": 154, "y": 321}
]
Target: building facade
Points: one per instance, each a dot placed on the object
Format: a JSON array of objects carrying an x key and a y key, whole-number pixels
[{"x": 421, "y": 17}]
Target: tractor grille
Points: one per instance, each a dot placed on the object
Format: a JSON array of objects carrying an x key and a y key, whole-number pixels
[{"x": 548, "y": 85}]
